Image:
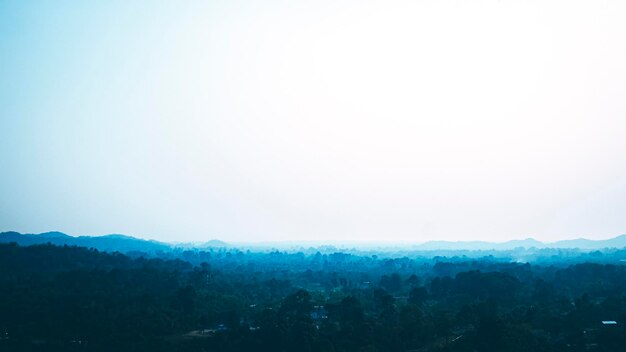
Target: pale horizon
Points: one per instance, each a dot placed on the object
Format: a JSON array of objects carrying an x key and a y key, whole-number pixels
[{"x": 321, "y": 242}]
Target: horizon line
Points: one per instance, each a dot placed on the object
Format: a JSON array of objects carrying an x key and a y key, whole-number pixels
[{"x": 320, "y": 242}]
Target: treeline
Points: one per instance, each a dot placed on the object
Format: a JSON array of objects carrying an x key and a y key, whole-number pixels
[{"x": 77, "y": 299}]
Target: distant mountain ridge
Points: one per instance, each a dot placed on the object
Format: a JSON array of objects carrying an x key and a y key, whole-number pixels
[
  {"x": 580, "y": 243},
  {"x": 108, "y": 243},
  {"x": 124, "y": 243}
]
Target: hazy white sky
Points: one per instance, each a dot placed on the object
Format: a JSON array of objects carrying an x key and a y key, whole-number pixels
[{"x": 314, "y": 120}]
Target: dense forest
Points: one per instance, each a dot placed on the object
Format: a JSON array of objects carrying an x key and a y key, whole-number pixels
[{"x": 69, "y": 298}]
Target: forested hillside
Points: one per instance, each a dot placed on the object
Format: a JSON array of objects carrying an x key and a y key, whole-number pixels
[{"x": 56, "y": 298}]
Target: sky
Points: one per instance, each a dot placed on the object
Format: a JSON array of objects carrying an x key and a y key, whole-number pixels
[{"x": 249, "y": 121}]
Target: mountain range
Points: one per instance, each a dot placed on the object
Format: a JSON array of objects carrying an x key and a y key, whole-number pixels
[
  {"x": 123, "y": 243},
  {"x": 579, "y": 243},
  {"x": 108, "y": 243}
]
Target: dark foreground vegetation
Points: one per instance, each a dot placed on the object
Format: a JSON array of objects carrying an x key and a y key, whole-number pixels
[{"x": 56, "y": 298}]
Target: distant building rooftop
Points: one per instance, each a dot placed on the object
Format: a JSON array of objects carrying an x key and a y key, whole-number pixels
[{"x": 609, "y": 322}]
